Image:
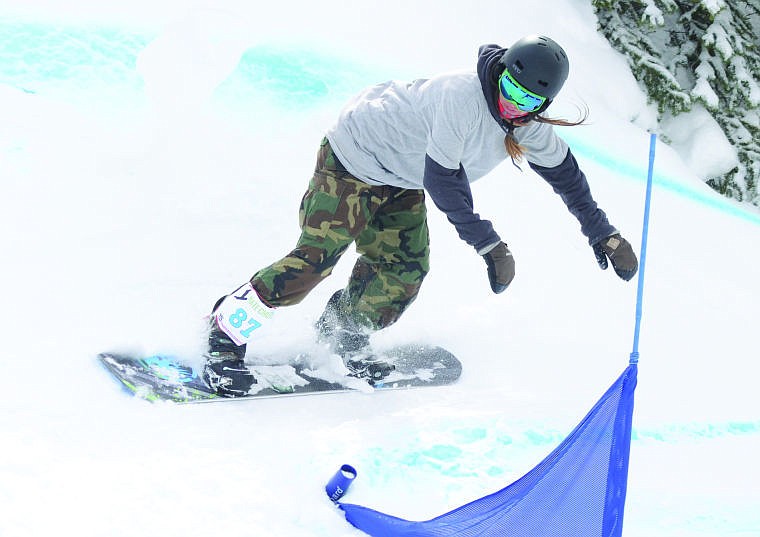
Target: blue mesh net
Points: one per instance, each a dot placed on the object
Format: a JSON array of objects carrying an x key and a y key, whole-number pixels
[{"x": 578, "y": 489}]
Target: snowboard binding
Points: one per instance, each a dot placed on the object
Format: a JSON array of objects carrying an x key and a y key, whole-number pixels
[
  {"x": 227, "y": 375},
  {"x": 372, "y": 370}
]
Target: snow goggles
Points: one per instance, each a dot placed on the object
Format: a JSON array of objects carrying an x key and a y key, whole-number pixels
[{"x": 523, "y": 99}]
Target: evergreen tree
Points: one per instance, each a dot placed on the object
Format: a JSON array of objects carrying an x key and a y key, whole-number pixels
[{"x": 704, "y": 51}]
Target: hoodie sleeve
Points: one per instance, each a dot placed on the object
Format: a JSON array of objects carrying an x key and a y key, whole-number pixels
[
  {"x": 450, "y": 191},
  {"x": 570, "y": 183}
]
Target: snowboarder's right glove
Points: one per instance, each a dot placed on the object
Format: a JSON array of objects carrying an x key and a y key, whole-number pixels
[
  {"x": 501, "y": 267},
  {"x": 620, "y": 253}
]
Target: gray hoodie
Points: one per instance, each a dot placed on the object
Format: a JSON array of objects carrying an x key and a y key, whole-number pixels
[{"x": 440, "y": 134}]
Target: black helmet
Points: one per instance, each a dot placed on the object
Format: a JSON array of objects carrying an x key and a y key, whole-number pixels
[{"x": 539, "y": 64}]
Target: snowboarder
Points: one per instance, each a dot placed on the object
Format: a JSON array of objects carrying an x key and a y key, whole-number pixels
[{"x": 391, "y": 145}]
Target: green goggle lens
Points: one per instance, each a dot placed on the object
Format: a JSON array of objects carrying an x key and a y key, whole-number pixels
[{"x": 524, "y": 100}]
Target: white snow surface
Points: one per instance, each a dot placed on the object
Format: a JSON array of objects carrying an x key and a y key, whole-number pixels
[{"x": 123, "y": 220}]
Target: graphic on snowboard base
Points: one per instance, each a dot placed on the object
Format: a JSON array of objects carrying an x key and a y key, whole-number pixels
[{"x": 167, "y": 378}]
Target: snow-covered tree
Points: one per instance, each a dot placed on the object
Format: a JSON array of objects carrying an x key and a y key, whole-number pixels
[{"x": 698, "y": 52}]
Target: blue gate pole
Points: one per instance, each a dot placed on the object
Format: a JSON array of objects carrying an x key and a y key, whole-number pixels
[{"x": 642, "y": 265}]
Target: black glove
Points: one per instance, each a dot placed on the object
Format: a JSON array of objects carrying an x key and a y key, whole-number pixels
[
  {"x": 501, "y": 267},
  {"x": 620, "y": 253}
]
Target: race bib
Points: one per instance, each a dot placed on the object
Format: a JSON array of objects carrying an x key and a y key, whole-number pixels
[{"x": 242, "y": 313}]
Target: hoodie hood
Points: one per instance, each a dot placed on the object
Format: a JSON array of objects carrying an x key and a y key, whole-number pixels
[{"x": 489, "y": 71}]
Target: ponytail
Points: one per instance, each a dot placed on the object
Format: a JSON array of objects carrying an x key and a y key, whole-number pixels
[{"x": 516, "y": 151}]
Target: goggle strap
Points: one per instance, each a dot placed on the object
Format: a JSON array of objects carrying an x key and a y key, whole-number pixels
[{"x": 544, "y": 106}]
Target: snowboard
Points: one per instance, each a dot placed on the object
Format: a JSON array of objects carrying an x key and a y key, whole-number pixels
[{"x": 167, "y": 378}]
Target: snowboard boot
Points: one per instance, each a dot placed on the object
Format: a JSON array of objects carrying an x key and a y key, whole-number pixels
[
  {"x": 227, "y": 375},
  {"x": 225, "y": 371},
  {"x": 347, "y": 340}
]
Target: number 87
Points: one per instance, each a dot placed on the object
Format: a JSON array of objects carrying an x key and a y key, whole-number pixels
[{"x": 239, "y": 317}]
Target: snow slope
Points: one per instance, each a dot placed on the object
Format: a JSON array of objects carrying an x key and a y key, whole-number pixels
[{"x": 152, "y": 159}]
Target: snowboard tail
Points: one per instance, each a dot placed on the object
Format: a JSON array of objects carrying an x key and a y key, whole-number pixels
[{"x": 167, "y": 378}]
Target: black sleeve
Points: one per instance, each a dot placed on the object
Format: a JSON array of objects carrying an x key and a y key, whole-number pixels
[
  {"x": 450, "y": 191},
  {"x": 570, "y": 183}
]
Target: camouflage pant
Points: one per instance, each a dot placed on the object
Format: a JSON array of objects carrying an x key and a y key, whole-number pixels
[{"x": 388, "y": 225}]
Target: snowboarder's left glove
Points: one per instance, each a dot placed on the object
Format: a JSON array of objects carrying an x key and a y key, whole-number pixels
[
  {"x": 620, "y": 253},
  {"x": 501, "y": 267}
]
